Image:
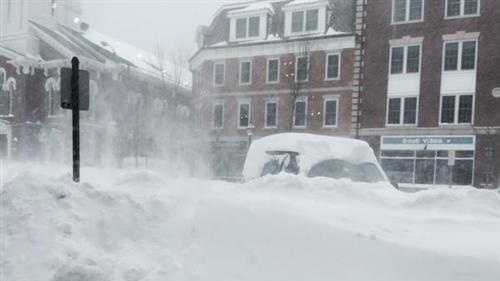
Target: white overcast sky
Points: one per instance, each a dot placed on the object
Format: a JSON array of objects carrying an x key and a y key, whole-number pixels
[{"x": 145, "y": 22}]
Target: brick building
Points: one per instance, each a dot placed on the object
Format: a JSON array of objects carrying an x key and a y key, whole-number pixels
[
  {"x": 265, "y": 67},
  {"x": 429, "y": 71},
  {"x": 131, "y": 97}
]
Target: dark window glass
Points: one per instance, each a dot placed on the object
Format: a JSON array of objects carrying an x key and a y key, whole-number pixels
[
  {"x": 448, "y": 109},
  {"x": 244, "y": 115},
  {"x": 399, "y": 13},
  {"x": 453, "y": 8},
  {"x": 442, "y": 172},
  {"x": 469, "y": 55},
  {"x": 332, "y": 70},
  {"x": 302, "y": 68},
  {"x": 416, "y": 9},
  {"x": 465, "y": 109},
  {"x": 410, "y": 112},
  {"x": 330, "y": 113},
  {"x": 424, "y": 171},
  {"x": 311, "y": 20},
  {"x": 253, "y": 26},
  {"x": 398, "y": 153},
  {"x": 399, "y": 170},
  {"x": 471, "y": 7},
  {"x": 271, "y": 109},
  {"x": 241, "y": 28},
  {"x": 397, "y": 60},
  {"x": 246, "y": 69},
  {"x": 462, "y": 172},
  {"x": 464, "y": 154},
  {"x": 451, "y": 56},
  {"x": 3, "y": 145},
  {"x": 297, "y": 21},
  {"x": 273, "y": 67},
  {"x": 442, "y": 153},
  {"x": 53, "y": 102},
  {"x": 426, "y": 153},
  {"x": 218, "y": 116},
  {"x": 300, "y": 113},
  {"x": 5, "y": 101},
  {"x": 413, "y": 59},
  {"x": 394, "y": 111},
  {"x": 219, "y": 74}
]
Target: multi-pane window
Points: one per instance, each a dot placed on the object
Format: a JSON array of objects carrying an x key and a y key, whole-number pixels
[
  {"x": 457, "y": 109},
  {"x": 247, "y": 27},
  {"x": 460, "y": 55},
  {"x": 405, "y": 59},
  {"x": 219, "y": 73},
  {"x": 458, "y": 8},
  {"x": 305, "y": 20},
  {"x": 407, "y": 10},
  {"x": 302, "y": 69},
  {"x": 402, "y": 111},
  {"x": 271, "y": 114},
  {"x": 218, "y": 116},
  {"x": 273, "y": 67},
  {"x": 7, "y": 99},
  {"x": 243, "y": 115},
  {"x": 245, "y": 72},
  {"x": 300, "y": 112},
  {"x": 330, "y": 112},
  {"x": 332, "y": 66}
]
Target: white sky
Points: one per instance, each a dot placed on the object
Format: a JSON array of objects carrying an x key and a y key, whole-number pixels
[{"x": 145, "y": 22}]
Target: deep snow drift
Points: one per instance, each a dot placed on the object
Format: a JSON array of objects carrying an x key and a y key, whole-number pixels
[{"x": 138, "y": 225}]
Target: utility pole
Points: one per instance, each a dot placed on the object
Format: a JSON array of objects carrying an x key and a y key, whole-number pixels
[{"x": 75, "y": 97}]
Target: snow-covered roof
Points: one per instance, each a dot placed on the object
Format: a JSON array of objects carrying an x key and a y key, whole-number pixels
[
  {"x": 254, "y": 7},
  {"x": 311, "y": 148},
  {"x": 306, "y": 2}
]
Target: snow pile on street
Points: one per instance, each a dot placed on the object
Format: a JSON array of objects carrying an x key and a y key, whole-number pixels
[{"x": 138, "y": 225}]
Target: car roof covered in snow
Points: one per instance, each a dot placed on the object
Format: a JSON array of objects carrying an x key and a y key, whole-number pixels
[{"x": 311, "y": 149}]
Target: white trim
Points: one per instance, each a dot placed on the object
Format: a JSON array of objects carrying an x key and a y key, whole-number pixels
[
  {"x": 456, "y": 110},
  {"x": 325, "y": 100},
  {"x": 402, "y": 111},
  {"x": 406, "y": 41},
  {"x": 339, "y": 65},
  {"x": 407, "y": 14},
  {"x": 297, "y": 57},
  {"x": 462, "y": 10},
  {"x": 223, "y": 74},
  {"x": 262, "y": 17},
  {"x": 240, "y": 103},
  {"x": 241, "y": 71},
  {"x": 271, "y": 49},
  {"x": 269, "y": 101},
  {"x": 306, "y": 111},
  {"x": 267, "y": 70},
  {"x": 459, "y": 57},
  {"x": 405, "y": 59},
  {"x": 214, "y": 104},
  {"x": 275, "y": 92}
]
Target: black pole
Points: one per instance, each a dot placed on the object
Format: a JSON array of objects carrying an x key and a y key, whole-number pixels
[{"x": 75, "y": 101}]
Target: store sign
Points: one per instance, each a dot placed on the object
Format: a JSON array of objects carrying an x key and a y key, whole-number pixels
[{"x": 429, "y": 142}]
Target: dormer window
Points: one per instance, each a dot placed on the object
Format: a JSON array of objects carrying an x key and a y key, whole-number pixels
[
  {"x": 247, "y": 27},
  {"x": 304, "y": 18}
]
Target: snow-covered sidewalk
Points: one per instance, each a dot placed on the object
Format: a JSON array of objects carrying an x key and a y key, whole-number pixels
[{"x": 140, "y": 225}]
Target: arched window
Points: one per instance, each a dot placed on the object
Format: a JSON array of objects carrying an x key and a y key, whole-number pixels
[
  {"x": 7, "y": 94},
  {"x": 52, "y": 89}
]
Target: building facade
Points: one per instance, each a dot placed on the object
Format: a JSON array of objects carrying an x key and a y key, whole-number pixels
[
  {"x": 133, "y": 100},
  {"x": 266, "y": 67},
  {"x": 427, "y": 108}
]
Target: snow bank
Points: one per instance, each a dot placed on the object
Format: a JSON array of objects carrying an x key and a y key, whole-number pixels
[{"x": 124, "y": 225}]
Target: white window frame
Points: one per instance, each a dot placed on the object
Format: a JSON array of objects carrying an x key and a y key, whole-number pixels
[
  {"x": 223, "y": 74},
  {"x": 339, "y": 64},
  {"x": 325, "y": 100},
  {"x": 214, "y": 105},
  {"x": 304, "y": 21},
  {"x": 241, "y": 71},
  {"x": 407, "y": 15},
  {"x": 405, "y": 59},
  {"x": 267, "y": 70},
  {"x": 402, "y": 111},
  {"x": 6, "y": 87},
  {"x": 456, "y": 113},
  {"x": 297, "y": 68},
  {"x": 247, "y": 31},
  {"x": 240, "y": 103},
  {"x": 306, "y": 112},
  {"x": 459, "y": 58},
  {"x": 268, "y": 101},
  {"x": 51, "y": 84},
  {"x": 462, "y": 9}
]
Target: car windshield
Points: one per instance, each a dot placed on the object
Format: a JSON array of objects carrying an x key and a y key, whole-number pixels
[{"x": 337, "y": 169}]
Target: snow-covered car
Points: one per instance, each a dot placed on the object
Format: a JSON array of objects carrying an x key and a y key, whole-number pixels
[{"x": 313, "y": 156}]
